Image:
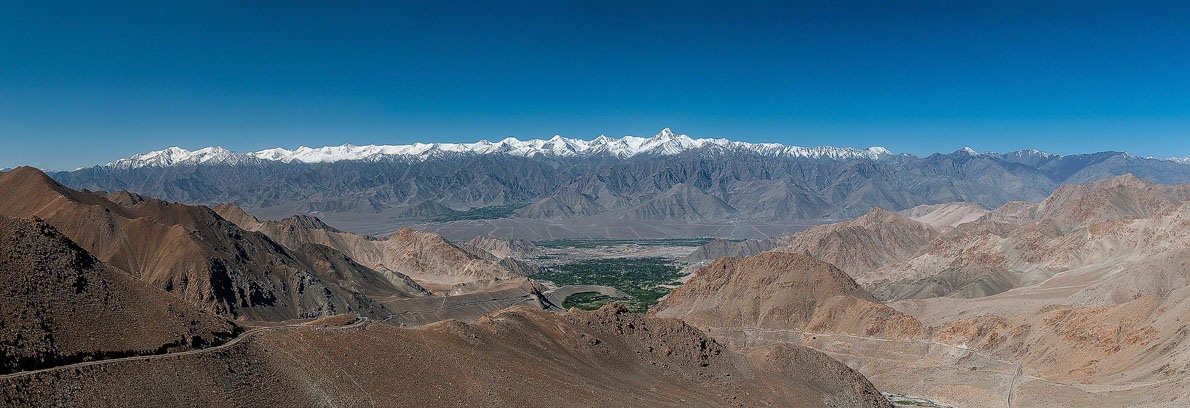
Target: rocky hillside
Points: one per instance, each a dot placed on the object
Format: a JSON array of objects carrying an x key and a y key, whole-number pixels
[
  {"x": 946, "y": 214},
  {"x": 422, "y": 257},
  {"x": 517, "y": 357},
  {"x": 783, "y": 291},
  {"x": 739, "y": 249},
  {"x": 506, "y": 248},
  {"x": 62, "y": 305},
  {"x": 1078, "y": 225},
  {"x": 194, "y": 253},
  {"x": 866, "y": 243},
  {"x": 440, "y": 265}
]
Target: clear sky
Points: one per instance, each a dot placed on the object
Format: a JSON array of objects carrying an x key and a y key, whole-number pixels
[{"x": 85, "y": 83}]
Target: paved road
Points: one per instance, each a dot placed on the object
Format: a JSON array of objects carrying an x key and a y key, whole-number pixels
[{"x": 359, "y": 322}]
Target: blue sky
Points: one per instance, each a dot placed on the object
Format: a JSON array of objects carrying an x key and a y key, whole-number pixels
[{"x": 84, "y": 83}]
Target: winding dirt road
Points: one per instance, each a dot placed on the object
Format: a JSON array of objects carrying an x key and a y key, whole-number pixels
[{"x": 360, "y": 321}]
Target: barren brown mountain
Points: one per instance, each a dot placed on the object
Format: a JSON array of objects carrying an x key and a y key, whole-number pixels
[
  {"x": 1077, "y": 226},
  {"x": 61, "y": 305},
  {"x": 1072, "y": 206},
  {"x": 946, "y": 214},
  {"x": 440, "y": 265},
  {"x": 738, "y": 249},
  {"x": 425, "y": 257},
  {"x": 506, "y": 248},
  {"x": 866, "y": 243},
  {"x": 782, "y": 291},
  {"x": 1077, "y": 300},
  {"x": 192, "y": 252},
  {"x": 514, "y": 357}
]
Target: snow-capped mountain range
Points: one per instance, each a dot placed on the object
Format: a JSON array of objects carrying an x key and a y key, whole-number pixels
[{"x": 663, "y": 143}]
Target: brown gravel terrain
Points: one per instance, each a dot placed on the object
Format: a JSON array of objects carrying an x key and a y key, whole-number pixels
[
  {"x": 61, "y": 305},
  {"x": 515, "y": 357}
]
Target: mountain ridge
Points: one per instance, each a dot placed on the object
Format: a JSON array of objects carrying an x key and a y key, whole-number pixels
[
  {"x": 665, "y": 142},
  {"x": 653, "y": 194}
]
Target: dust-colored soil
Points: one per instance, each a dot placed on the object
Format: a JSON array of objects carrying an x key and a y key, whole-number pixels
[{"x": 516, "y": 357}]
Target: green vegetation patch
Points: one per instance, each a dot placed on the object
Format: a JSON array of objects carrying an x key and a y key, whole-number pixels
[
  {"x": 641, "y": 278},
  {"x": 480, "y": 213},
  {"x": 603, "y": 243},
  {"x": 586, "y": 300}
]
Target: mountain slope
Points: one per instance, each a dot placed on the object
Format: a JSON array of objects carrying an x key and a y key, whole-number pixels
[
  {"x": 783, "y": 291},
  {"x": 506, "y": 248},
  {"x": 721, "y": 247},
  {"x": 62, "y": 305},
  {"x": 440, "y": 265},
  {"x": 518, "y": 357},
  {"x": 866, "y": 243},
  {"x": 946, "y": 214},
  {"x": 1077, "y": 225},
  {"x": 423, "y": 257},
  {"x": 187, "y": 250}
]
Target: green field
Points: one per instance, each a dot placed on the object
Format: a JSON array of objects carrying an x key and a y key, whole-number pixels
[
  {"x": 480, "y": 213},
  {"x": 602, "y": 243},
  {"x": 640, "y": 278},
  {"x": 586, "y": 300}
]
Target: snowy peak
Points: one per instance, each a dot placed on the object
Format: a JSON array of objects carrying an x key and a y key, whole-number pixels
[
  {"x": 175, "y": 156},
  {"x": 663, "y": 143},
  {"x": 1032, "y": 153},
  {"x": 1182, "y": 160}
]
